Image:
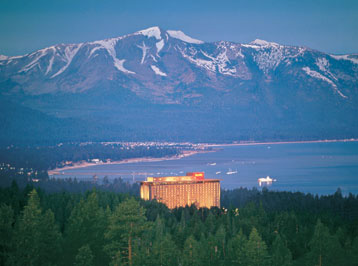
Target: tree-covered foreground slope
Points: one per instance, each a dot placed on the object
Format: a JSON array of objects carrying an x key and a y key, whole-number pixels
[{"x": 106, "y": 228}]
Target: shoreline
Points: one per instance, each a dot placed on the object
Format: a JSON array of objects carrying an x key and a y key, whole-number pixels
[
  {"x": 280, "y": 142},
  {"x": 57, "y": 171},
  {"x": 186, "y": 153}
]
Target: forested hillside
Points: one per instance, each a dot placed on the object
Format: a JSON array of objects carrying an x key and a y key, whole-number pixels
[{"x": 106, "y": 228}]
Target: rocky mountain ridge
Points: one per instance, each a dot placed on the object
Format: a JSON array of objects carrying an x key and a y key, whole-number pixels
[{"x": 159, "y": 70}]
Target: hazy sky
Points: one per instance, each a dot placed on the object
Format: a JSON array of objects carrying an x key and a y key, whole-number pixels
[{"x": 327, "y": 25}]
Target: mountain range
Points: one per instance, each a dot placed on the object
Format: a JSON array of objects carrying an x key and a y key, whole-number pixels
[{"x": 158, "y": 84}]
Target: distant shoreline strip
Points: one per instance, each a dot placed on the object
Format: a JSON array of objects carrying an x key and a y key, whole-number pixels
[
  {"x": 280, "y": 142},
  {"x": 58, "y": 171},
  {"x": 186, "y": 153}
]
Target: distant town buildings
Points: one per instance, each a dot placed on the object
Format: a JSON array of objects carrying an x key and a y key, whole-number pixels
[{"x": 179, "y": 191}]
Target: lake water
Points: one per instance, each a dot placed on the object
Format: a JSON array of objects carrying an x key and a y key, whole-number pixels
[{"x": 318, "y": 168}]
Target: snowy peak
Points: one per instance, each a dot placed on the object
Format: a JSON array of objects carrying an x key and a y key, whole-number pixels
[
  {"x": 151, "y": 32},
  {"x": 156, "y": 32},
  {"x": 177, "y": 34},
  {"x": 263, "y": 43},
  {"x": 147, "y": 56}
]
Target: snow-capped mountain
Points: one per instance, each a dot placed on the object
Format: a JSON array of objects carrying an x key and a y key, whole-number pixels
[{"x": 167, "y": 67}]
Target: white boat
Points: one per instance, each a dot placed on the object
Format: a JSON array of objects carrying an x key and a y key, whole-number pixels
[
  {"x": 230, "y": 172},
  {"x": 219, "y": 172},
  {"x": 268, "y": 180},
  {"x": 212, "y": 163}
]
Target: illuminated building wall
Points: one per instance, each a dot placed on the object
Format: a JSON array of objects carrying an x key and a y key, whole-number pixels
[{"x": 179, "y": 191}]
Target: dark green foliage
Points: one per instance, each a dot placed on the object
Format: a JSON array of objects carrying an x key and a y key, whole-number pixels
[
  {"x": 164, "y": 251},
  {"x": 37, "y": 239},
  {"x": 126, "y": 226},
  {"x": 353, "y": 252},
  {"x": 325, "y": 249},
  {"x": 191, "y": 252},
  {"x": 237, "y": 250},
  {"x": 84, "y": 256},
  {"x": 106, "y": 228},
  {"x": 6, "y": 232},
  {"x": 256, "y": 250},
  {"x": 86, "y": 226},
  {"x": 281, "y": 255}
]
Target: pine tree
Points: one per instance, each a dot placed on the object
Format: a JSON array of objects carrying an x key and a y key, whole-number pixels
[
  {"x": 281, "y": 255},
  {"x": 211, "y": 249},
  {"x": 164, "y": 252},
  {"x": 86, "y": 225},
  {"x": 220, "y": 243},
  {"x": 191, "y": 253},
  {"x": 210, "y": 223},
  {"x": 84, "y": 256},
  {"x": 323, "y": 247},
  {"x": 181, "y": 230},
  {"x": 256, "y": 250},
  {"x": 37, "y": 237},
  {"x": 126, "y": 227},
  {"x": 6, "y": 232},
  {"x": 353, "y": 254},
  {"x": 158, "y": 228},
  {"x": 237, "y": 250}
]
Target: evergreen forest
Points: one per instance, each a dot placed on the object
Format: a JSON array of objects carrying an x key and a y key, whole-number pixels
[{"x": 101, "y": 226}]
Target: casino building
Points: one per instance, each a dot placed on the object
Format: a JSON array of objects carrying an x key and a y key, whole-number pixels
[{"x": 179, "y": 191}]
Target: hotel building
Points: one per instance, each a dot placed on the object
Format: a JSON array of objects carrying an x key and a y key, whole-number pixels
[{"x": 179, "y": 191}]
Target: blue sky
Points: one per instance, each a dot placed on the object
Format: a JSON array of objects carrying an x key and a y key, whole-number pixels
[{"x": 330, "y": 26}]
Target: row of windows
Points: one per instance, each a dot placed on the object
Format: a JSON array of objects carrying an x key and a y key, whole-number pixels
[{"x": 202, "y": 194}]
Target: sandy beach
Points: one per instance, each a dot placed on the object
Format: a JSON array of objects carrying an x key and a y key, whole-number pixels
[{"x": 82, "y": 164}]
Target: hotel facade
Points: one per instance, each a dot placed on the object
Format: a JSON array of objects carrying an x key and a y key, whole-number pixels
[{"x": 179, "y": 191}]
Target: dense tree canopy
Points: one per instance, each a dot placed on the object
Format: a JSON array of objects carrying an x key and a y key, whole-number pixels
[{"x": 105, "y": 228}]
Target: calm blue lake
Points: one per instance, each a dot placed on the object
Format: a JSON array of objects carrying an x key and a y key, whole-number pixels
[{"x": 318, "y": 168}]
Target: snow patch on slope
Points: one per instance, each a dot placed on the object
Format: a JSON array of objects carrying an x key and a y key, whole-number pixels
[
  {"x": 151, "y": 32},
  {"x": 177, "y": 34},
  {"x": 322, "y": 64},
  {"x": 239, "y": 54},
  {"x": 269, "y": 55},
  {"x": 159, "y": 45},
  {"x": 158, "y": 71},
  {"x": 144, "y": 50},
  {"x": 154, "y": 59},
  {"x": 317, "y": 75},
  {"x": 49, "y": 67},
  {"x": 38, "y": 55},
  {"x": 352, "y": 58},
  {"x": 70, "y": 52},
  {"x": 119, "y": 65},
  {"x": 218, "y": 63},
  {"x": 109, "y": 46},
  {"x": 268, "y": 60},
  {"x": 94, "y": 50},
  {"x": 17, "y": 57}
]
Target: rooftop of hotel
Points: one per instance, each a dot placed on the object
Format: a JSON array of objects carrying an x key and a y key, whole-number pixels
[{"x": 189, "y": 177}]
